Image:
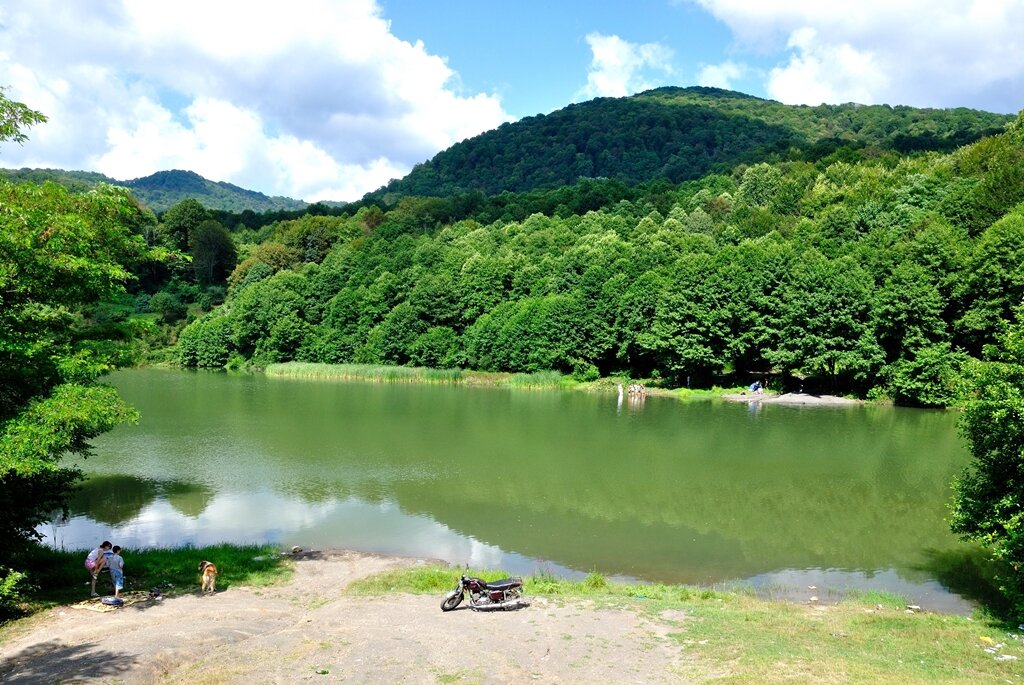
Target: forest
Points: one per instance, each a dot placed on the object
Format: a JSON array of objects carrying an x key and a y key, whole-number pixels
[
  {"x": 679, "y": 134},
  {"x": 880, "y": 277},
  {"x": 162, "y": 190}
]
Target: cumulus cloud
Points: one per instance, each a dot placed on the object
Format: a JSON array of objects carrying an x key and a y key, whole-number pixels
[
  {"x": 317, "y": 100},
  {"x": 619, "y": 68},
  {"x": 721, "y": 75},
  {"x": 916, "y": 52}
]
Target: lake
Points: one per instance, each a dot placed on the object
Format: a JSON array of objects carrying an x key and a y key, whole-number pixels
[{"x": 710, "y": 493}]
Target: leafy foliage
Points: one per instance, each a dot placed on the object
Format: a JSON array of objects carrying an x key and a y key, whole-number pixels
[
  {"x": 680, "y": 134},
  {"x": 61, "y": 255},
  {"x": 988, "y": 502},
  {"x": 860, "y": 277}
]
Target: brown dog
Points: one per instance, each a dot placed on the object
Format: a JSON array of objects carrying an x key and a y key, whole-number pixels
[{"x": 209, "y": 575}]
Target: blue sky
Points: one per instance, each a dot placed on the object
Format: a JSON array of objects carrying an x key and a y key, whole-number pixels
[
  {"x": 329, "y": 99},
  {"x": 536, "y": 57}
]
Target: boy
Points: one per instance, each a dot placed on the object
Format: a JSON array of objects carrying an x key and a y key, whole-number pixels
[
  {"x": 116, "y": 565},
  {"x": 95, "y": 561}
]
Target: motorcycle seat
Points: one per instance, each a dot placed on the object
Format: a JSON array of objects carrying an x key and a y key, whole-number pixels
[{"x": 504, "y": 584}]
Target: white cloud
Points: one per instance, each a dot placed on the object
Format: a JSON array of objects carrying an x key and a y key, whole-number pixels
[
  {"x": 305, "y": 100},
  {"x": 918, "y": 52},
  {"x": 619, "y": 68},
  {"x": 721, "y": 75}
]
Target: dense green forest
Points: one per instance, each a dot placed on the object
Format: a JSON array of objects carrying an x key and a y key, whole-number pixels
[
  {"x": 879, "y": 277},
  {"x": 164, "y": 189},
  {"x": 679, "y": 134}
]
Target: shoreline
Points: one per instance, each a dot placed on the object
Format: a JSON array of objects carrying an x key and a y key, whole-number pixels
[
  {"x": 794, "y": 398},
  {"x": 343, "y": 615}
]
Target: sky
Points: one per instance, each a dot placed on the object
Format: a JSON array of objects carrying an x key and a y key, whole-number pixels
[{"x": 330, "y": 99}]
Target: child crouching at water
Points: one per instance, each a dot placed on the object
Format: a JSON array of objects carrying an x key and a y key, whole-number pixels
[
  {"x": 94, "y": 563},
  {"x": 116, "y": 565}
]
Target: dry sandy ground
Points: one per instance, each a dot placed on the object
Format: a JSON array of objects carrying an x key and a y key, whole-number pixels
[
  {"x": 793, "y": 398},
  {"x": 308, "y": 630}
]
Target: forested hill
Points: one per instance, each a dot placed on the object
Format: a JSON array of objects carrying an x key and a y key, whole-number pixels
[
  {"x": 883, "y": 277},
  {"x": 164, "y": 189},
  {"x": 679, "y": 134}
]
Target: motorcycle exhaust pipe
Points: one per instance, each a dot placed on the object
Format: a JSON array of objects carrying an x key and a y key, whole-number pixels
[{"x": 507, "y": 604}]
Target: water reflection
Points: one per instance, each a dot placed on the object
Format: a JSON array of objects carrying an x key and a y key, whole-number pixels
[
  {"x": 115, "y": 499},
  {"x": 157, "y": 520}
]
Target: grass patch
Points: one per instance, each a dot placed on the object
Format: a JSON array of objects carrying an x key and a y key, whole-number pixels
[
  {"x": 58, "y": 576},
  {"x": 742, "y": 639},
  {"x": 364, "y": 372},
  {"x": 537, "y": 379}
]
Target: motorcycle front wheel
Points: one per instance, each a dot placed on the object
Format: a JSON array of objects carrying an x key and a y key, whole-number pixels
[{"x": 451, "y": 601}]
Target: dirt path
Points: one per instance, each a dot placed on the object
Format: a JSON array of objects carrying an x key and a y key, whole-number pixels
[{"x": 307, "y": 630}]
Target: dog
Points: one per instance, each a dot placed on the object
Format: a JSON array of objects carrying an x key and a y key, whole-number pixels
[{"x": 208, "y": 572}]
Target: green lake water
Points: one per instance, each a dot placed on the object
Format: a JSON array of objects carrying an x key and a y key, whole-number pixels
[{"x": 701, "y": 492}]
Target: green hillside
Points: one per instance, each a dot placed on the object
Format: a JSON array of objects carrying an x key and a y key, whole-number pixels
[
  {"x": 164, "y": 189},
  {"x": 880, "y": 277},
  {"x": 679, "y": 134}
]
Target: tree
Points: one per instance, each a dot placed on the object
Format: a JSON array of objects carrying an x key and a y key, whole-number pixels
[
  {"x": 15, "y": 117},
  {"x": 988, "y": 497},
  {"x": 180, "y": 220},
  {"x": 213, "y": 252},
  {"x": 59, "y": 253},
  {"x": 825, "y": 321}
]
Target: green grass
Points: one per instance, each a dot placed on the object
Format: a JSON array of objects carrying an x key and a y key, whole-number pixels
[
  {"x": 58, "y": 576},
  {"x": 365, "y": 372},
  {"x": 537, "y": 379},
  {"x": 737, "y": 638}
]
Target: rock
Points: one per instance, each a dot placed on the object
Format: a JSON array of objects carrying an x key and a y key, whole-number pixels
[
  {"x": 1006, "y": 657},
  {"x": 814, "y": 598},
  {"x": 913, "y": 607},
  {"x": 296, "y": 550}
]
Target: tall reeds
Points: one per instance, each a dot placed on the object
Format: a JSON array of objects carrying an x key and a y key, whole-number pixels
[{"x": 365, "y": 372}]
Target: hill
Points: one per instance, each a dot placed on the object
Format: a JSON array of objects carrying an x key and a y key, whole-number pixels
[
  {"x": 678, "y": 134},
  {"x": 164, "y": 189}
]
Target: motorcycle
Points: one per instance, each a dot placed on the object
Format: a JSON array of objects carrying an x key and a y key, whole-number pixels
[{"x": 484, "y": 595}]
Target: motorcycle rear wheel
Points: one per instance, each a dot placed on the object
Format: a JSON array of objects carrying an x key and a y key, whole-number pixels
[{"x": 450, "y": 603}]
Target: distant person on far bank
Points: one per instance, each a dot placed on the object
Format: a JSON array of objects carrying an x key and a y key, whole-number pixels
[{"x": 95, "y": 561}]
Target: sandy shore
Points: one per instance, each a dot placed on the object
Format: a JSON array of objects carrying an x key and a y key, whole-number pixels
[
  {"x": 793, "y": 398},
  {"x": 309, "y": 629}
]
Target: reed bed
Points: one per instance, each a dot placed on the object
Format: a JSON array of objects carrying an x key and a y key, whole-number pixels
[
  {"x": 538, "y": 379},
  {"x": 377, "y": 373}
]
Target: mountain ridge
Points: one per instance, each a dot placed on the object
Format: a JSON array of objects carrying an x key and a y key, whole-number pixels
[
  {"x": 678, "y": 134},
  {"x": 164, "y": 189}
]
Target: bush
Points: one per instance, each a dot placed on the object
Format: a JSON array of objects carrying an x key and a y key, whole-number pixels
[
  {"x": 988, "y": 499},
  {"x": 11, "y": 583},
  {"x": 168, "y": 306},
  {"x": 205, "y": 343},
  {"x": 584, "y": 371}
]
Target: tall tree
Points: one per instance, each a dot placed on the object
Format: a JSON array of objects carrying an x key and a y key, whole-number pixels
[
  {"x": 179, "y": 221},
  {"x": 213, "y": 252},
  {"x": 59, "y": 253}
]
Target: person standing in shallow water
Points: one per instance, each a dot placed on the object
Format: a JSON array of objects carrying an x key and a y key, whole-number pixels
[{"x": 94, "y": 563}]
